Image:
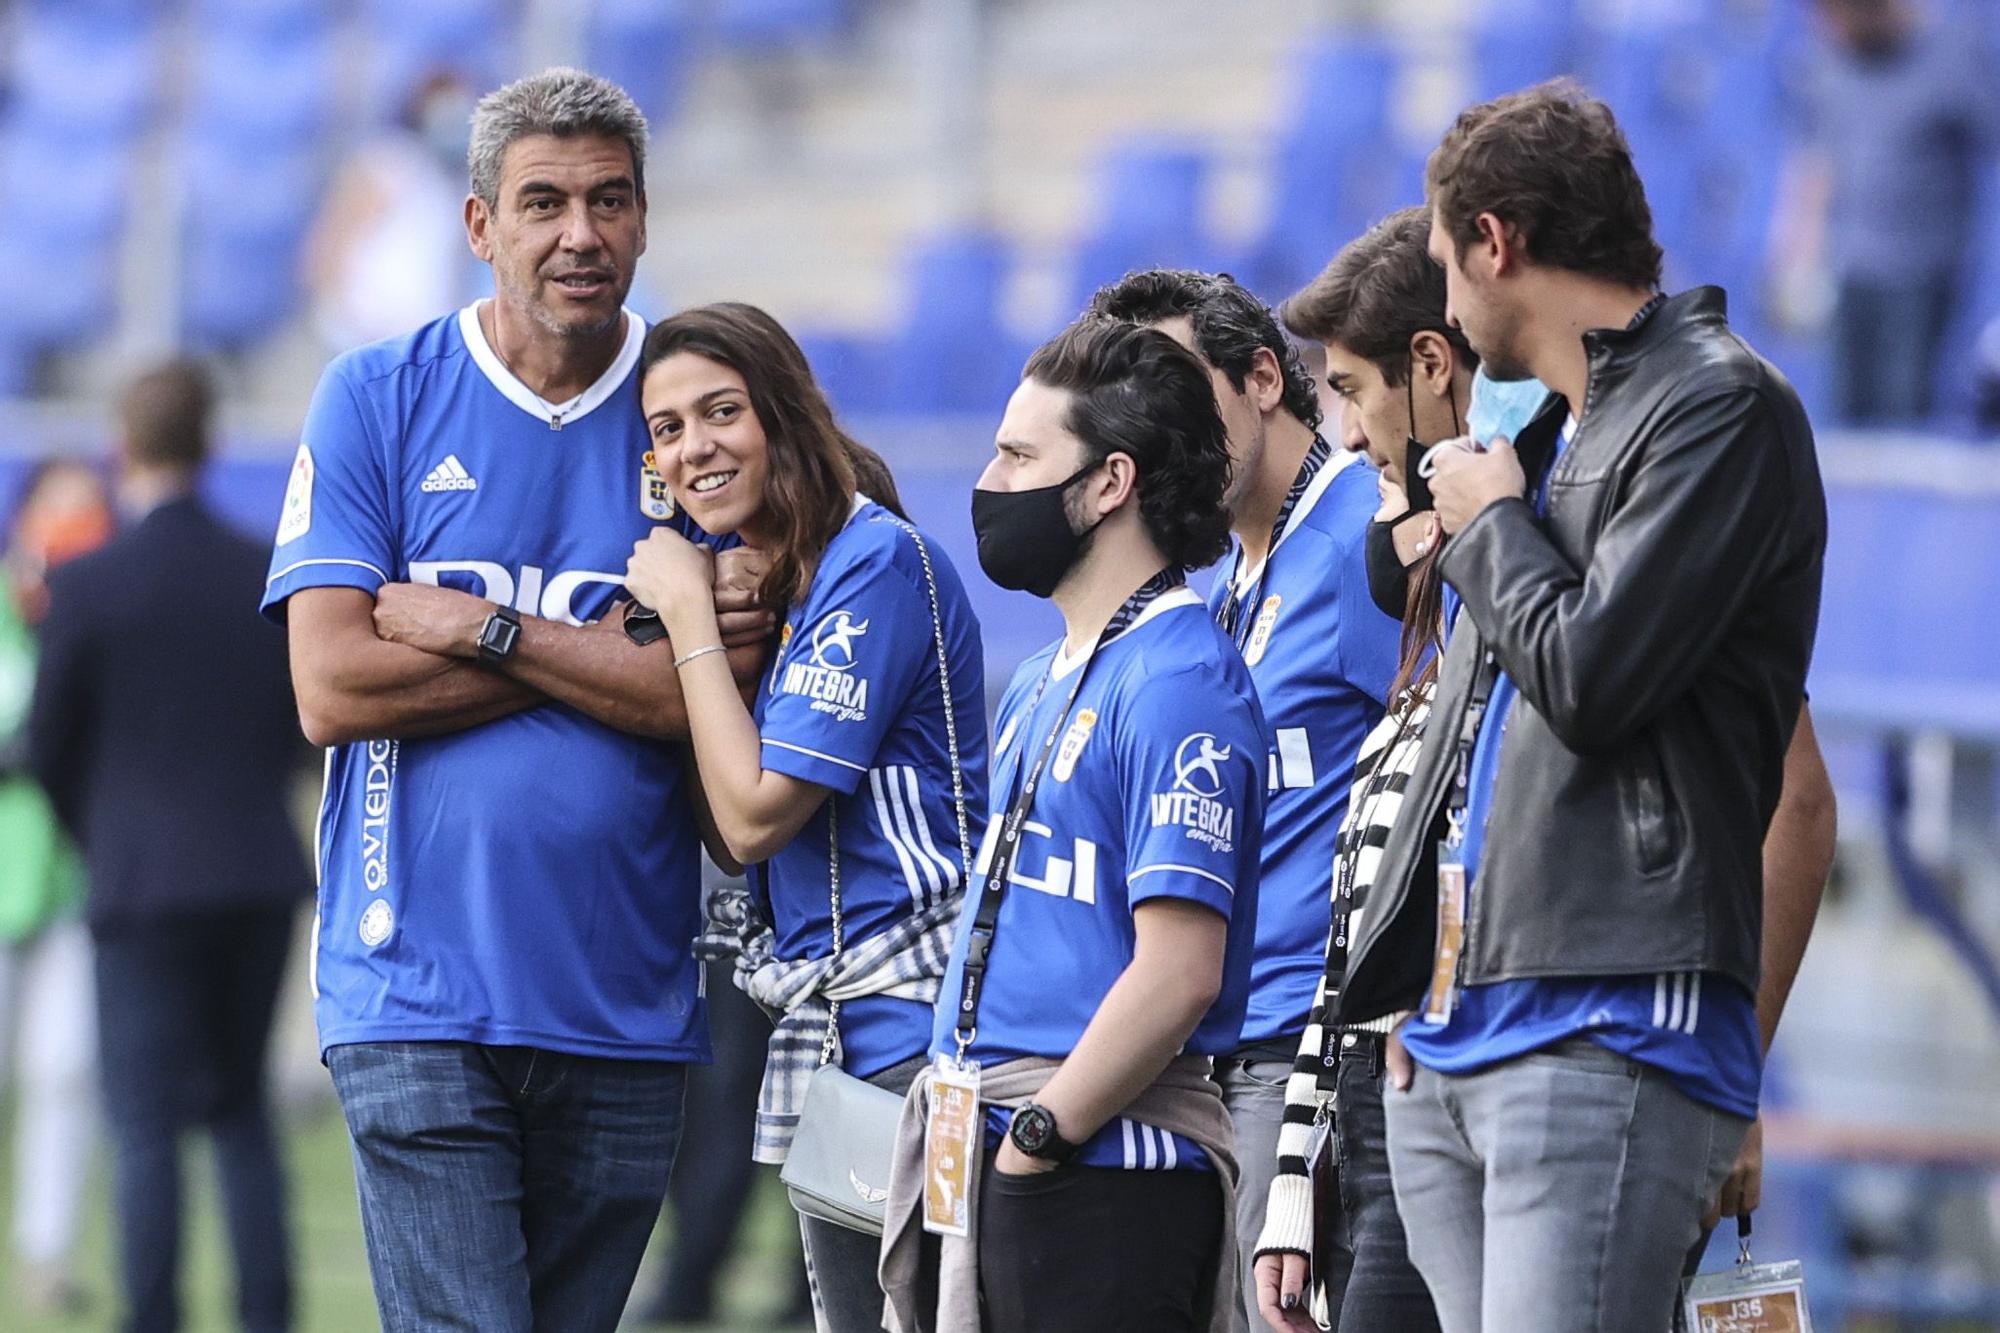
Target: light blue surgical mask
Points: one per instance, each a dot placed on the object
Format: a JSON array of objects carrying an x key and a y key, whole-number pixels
[{"x": 1502, "y": 407}]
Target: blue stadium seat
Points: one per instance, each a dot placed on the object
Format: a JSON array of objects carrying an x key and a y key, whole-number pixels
[
  {"x": 953, "y": 352},
  {"x": 57, "y": 273},
  {"x": 1151, "y": 202},
  {"x": 1338, "y": 166},
  {"x": 272, "y": 91},
  {"x": 851, "y": 368},
  {"x": 245, "y": 215},
  {"x": 474, "y": 38},
  {"x": 271, "y": 19},
  {"x": 1516, "y": 46},
  {"x": 779, "y": 23},
  {"x": 646, "y": 47},
  {"x": 93, "y": 77}
]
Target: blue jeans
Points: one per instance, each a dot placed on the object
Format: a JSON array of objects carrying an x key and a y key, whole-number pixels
[
  {"x": 505, "y": 1189},
  {"x": 1253, "y": 1088},
  {"x": 1559, "y": 1191}
]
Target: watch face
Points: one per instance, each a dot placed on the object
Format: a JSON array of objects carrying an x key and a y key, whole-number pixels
[{"x": 1033, "y": 1128}]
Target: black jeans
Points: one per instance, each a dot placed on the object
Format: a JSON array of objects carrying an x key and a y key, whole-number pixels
[
  {"x": 1098, "y": 1250},
  {"x": 184, "y": 1018},
  {"x": 1385, "y": 1293}
]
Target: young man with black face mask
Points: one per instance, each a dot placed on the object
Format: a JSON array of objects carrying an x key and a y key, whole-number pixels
[
  {"x": 1104, "y": 955},
  {"x": 1294, "y": 597},
  {"x": 1402, "y": 377}
]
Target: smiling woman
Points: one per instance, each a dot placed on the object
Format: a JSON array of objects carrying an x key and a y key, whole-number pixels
[{"x": 858, "y": 776}]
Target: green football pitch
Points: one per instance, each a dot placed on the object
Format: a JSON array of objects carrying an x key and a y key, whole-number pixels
[{"x": 332, "y": 1270}]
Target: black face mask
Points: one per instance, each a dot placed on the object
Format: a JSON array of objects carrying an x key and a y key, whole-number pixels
[
  {"x": 1026, "y": 542},
  {"x": 1388, "y": 576},
  {"x": 1414, "y": 485}
]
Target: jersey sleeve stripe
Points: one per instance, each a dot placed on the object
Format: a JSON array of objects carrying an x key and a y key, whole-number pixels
[
  {"x": 800, "y": 749},
  {"x": 923, "y": 823},
  {"x": 1227, "y": 887},
  {"x": 904, "y": 804},
  {"x": 326, "y": 560},
  {"x": 884, "y": 800}
]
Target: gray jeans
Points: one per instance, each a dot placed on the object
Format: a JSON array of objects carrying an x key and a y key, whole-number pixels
[
  {"x": 1253, "y": 1088},
  {"x": 1559, "y": 1192},
  {"x": 847, "y": 1293}
]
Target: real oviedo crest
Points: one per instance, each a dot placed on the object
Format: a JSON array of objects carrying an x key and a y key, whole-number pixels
[{"x": 655, "y": 500}]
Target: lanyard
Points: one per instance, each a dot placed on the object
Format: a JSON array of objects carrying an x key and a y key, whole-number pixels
[
  {"x": 1230, "y": 614},
  {"x": 1486, "y": 675},
  {"x": 979, "y": 943}
]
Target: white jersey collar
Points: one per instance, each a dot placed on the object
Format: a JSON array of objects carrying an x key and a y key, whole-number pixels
[
  {"x": 527, "y": 399},
  {"x": 1064, "y": 664},
  {"x": 1241, "y": 578}
]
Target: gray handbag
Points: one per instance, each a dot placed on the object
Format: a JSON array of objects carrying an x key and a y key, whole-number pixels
[{"x": 837, "y": 1168}]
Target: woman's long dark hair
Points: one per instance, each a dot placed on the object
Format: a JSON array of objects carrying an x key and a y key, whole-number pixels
[
  {"x": 1423, "y": 627},
  {"x": 815, "y": 467}
]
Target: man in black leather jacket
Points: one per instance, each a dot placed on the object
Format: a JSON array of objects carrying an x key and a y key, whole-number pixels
[{"x": 1640, "y": 576}]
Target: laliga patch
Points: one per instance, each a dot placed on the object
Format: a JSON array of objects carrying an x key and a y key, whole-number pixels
[
  {"x": 655, "y": 500},
  {"x": 1260, "y": 633},
  {"x": 377, "y": 921},
  {"x": 1072, "y": 745},
  {"x": 296, "y": 519}
]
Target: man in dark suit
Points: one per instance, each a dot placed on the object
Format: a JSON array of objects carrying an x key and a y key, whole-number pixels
[{"x": 162, "y": 726}]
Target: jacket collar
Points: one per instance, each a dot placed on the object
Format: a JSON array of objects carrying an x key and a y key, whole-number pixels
[{"x": 1613, "y": 350}]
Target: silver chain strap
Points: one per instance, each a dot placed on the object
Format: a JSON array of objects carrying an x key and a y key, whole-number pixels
[{"x": 957, "y": 791}]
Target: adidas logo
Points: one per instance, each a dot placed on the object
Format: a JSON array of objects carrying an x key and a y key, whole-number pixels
[{"x": 450, "y": 475}]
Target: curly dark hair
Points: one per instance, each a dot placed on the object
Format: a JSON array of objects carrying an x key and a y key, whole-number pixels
[
  {"x": 1551, "y": 163},
  {"x": 1229, "y": 323},
  {"x": 1137, "y": 392},
  {"x": 1380, "y": 291}
]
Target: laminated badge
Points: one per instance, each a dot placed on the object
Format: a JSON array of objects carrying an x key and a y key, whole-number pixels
[{"x": 1750, "y": 1297}]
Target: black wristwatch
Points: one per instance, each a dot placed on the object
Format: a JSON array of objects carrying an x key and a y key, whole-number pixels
[
  {"x": 1033, "y": 1131},
  {"x": 499, "y": 635}
]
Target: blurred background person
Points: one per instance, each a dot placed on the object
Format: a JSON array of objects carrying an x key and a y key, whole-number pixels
[
  {"x": 46, "y": 1019},
  {"x": 162, "y": 729},
  {"x": 387, "y": 251},
  {"x": 1900, "y": 119}
]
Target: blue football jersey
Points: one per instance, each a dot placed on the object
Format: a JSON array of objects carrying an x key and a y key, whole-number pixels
[
  {"x": 1323, "y": 656},
  {"x": 852, "y": 701},
  {"x": 1156, "y": 789},
  {"x": 533, "y": 881}
]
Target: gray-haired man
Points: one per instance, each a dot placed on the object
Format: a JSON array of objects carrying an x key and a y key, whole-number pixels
[{"x": 509, "y": 863}]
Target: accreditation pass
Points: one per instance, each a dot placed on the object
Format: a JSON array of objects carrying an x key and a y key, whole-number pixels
[
  {"x": 951, "y": 1147},
  {"x": 1752, "y": 1298}
]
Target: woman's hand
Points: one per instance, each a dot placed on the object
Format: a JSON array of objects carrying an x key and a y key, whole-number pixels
[
  {"x": 670, "y": 574},
  {"x": 1281, "y": 1292},
  {"x": 1011, "y": 1161},
  {"x": 1395, "y": 501}
]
